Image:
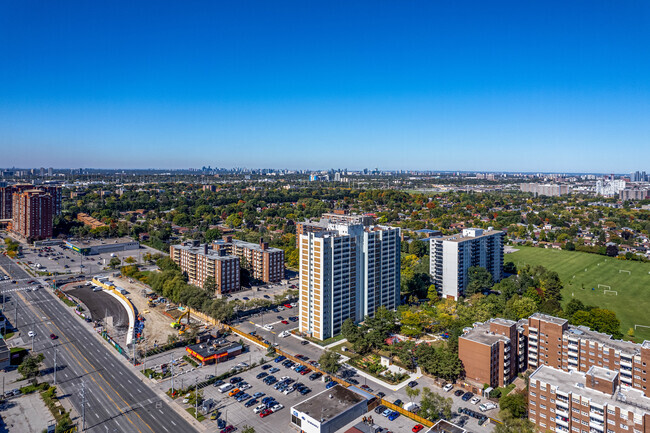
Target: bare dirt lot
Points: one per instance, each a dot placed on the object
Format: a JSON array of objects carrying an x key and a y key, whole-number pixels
[{"x": 156, "y": 325}]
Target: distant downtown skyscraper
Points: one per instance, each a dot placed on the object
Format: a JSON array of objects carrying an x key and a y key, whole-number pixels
[
  {"x": 347, "y": 271},
  {"x": 452, "y": 256}
]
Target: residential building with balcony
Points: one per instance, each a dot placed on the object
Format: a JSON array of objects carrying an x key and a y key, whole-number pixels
[
  {"x": 347, "y": 271},
  {"x": 264, "y": 263},
  {"x": 594, "y": 401},
  {"x": 32, "y": 214},
  {"x": 452, "y": 256},
  {"x": 200, "y": 262},
  {"x": 493, "y": 352}
]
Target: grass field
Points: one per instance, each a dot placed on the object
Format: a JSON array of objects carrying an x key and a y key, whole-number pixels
[{"x": 631, "y": 304}]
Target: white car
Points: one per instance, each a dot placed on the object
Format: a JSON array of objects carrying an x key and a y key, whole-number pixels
[
  {"x": 475, "y": 400},
  {"x": 245, "y": 387},
  {"x": 259, "y": 408},
  {"x": 487, "y": 406},
  {"x": 288, "y": 391},
  {"x": 31, "y": 334},
  {"x": 277, "y": 407},
  {"x": 268, "y": 327},
  {"x": 448, "y": 387}
]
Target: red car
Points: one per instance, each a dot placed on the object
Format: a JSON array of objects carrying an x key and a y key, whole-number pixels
[
  {"x": 228, "y": 429},
  {"x": 287, "y": 306},
  {"x": 417, "y": 428},
  {"x": 265, "y": 412},
  {"x": 53, "y": 337},
  {"x": 305, "y": 371},
  {"x": 284, "y": 322}
]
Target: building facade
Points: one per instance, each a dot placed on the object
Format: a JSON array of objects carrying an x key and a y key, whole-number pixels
[
  {"x": 201, "y": 262},
  {"x": 347, "y": 271},
  {"x": 338, "y": 216},
  {"x": 32, "y": 213},
  {"x": 594, "y": 401},
  {"x": 264, "y": 263},
  {"x": 452, "y": 256},
  {"x": 493, "y": 352},
  {"x": 7, "y": 192},
  {"x": 552, "y": 190}
]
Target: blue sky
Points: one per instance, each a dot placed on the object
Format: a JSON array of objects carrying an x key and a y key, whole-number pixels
[{"x": 473, "y": 85}]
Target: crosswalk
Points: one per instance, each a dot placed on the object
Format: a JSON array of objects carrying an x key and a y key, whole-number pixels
[{"x": 17, "y": 289}]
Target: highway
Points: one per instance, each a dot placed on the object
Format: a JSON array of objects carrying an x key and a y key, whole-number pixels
[{"x": 116, "y": 398}]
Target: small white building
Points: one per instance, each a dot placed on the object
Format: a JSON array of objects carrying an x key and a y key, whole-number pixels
[{"x": 330, "y": 410}]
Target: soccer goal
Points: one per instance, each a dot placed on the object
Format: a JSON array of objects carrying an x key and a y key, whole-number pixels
[
  {"x": 610, "y": 291},
  {"x": 641, "y": 326},
  {"x": 620, "y": 271},
  {"x": 604, "y": 286}
]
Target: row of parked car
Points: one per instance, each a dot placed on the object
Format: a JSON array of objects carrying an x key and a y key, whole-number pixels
[{"x": 392, "y": 415}]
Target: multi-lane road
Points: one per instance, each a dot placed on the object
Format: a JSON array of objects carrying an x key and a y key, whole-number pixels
[{"x": 116, "y": 399}]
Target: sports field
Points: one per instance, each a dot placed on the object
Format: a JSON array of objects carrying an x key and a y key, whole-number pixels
[{"x": 630, "y": 292}]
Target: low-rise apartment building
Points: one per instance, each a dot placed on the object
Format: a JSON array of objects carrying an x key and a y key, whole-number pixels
[
  {"x": 201, "y": 262},
  {"x": 265, "y": 263}
]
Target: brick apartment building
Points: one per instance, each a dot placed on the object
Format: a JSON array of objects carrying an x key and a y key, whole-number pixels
[
  {"x": 594, "y": 401},
  {"x": 494, "y": 352},
  {"x": 201, "y": 262},
  {"x": 265, "y": 263},
  {"x": 552, "y": 342},
  {"x": 7, "y": 192},
  {"x": 32, "y": 213}
]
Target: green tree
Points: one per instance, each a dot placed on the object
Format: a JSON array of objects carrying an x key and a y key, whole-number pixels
[
  {"x": 329, "y": 361},
  {"x": 31, "y": 365},
  {"x": 411, "y": 393},
  {"x": 432, "y": 293},
  {"x": 434, "y": 406},
  {"x": 418, "y": 248},
  {"x": 514, "y": 425},
  {"x": 247, "y": 429},
  {"x": 351, "y": 331},
  {"x": 130, "y": 260},
  {"x": 115, "y": 262},
  {"x": 479, "y": 281},
  {"x": 515, "y": 403},
  {"x": 210, "y": 285}
]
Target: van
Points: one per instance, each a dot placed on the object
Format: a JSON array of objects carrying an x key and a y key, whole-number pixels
[{"x": 226, "y": 387}]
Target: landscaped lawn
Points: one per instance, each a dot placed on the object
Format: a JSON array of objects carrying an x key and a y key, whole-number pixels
[{"x": 631, "y": 302}]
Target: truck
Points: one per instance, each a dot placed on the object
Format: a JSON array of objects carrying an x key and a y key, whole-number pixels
[
  {"x": 226, "y": 387},
  {"x": 411, "y": 407}
]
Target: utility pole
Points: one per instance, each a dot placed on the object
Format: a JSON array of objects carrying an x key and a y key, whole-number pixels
[
  {"x": 196, "y": 398},
  {"x": 55, "y": 352},
  {"x": 83, "y": 406},
  {"x": 172, "y": 367}
]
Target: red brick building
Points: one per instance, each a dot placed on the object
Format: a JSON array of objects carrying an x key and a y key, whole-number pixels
[
  {"x": 493, "y": 352},
  {"x": 265, "y": 263},
  {"x": 201, "y": 262},
  {"x": 32, "y": 213}
]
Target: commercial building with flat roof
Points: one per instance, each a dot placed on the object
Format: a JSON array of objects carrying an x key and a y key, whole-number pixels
[
  {"x": 348, "y": 271},
  {"x": 100, "y": 246},
  {"x": 201, "y": 261},
  {"x": 452, "y": 256},
  {"x": 207, "y": 353},
  {"x": 329, "y": 411}
]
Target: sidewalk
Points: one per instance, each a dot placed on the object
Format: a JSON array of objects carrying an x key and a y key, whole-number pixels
[{"x": 413, "y": 376}]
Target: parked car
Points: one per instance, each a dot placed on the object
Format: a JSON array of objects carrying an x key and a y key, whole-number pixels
[
  {"x": 386, "y": 412},
  {"x": 417, "y": 427},
  {"x": 251, "y": 402},
  {"x": 398, "y": 402},
  {"x": 487, "y": 406},
  {"x": 380, "y": 408},
  {"x": 459, "y": 392},
  {"x": 467, "y": 396},
  {"x": 304, "y": 342},
  {"x": 393, "y": 415},
  {"x": 266, "y": 367},
  {"x": 228, "y": 429},
  {"x": 448, "y": 387},
  {"x": 412, "y": 384},
  {"x": 475, "y": 400},
  {"x": 53, "y": 337}
]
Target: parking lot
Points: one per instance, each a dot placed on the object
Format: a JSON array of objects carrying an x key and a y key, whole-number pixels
[
  {"x": 265, "y": 291},
  {"x": 238, "y": 414},
  {"x": 62, "y": 260}
]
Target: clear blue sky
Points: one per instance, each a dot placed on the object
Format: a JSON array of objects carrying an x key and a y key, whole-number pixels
[{"x": 473, "y": 85}]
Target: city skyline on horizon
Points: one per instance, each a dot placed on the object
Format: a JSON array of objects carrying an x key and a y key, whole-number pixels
[{"x": 507, "y": 87}]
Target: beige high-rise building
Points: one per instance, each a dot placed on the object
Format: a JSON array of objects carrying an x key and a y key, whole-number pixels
[{"x": 347, "y": 271}]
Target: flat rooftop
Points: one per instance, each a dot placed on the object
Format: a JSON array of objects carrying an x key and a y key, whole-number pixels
[
  {"x": 207, "y": 350},
  {"x": 212, "y": 254},
  {"x": 573, "y": 382},
  {"x": 324, "y": 408},
  {"x": 604, "y": 339},
  {"x": 458, "y": 237},
  {"x": 481, "y": 334},
  {"x": 444, "y": 426},
  {"x": 85, "y": 243},
  {"x": 253, "y": 246},
  {"x": 549, "y": 318}
]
